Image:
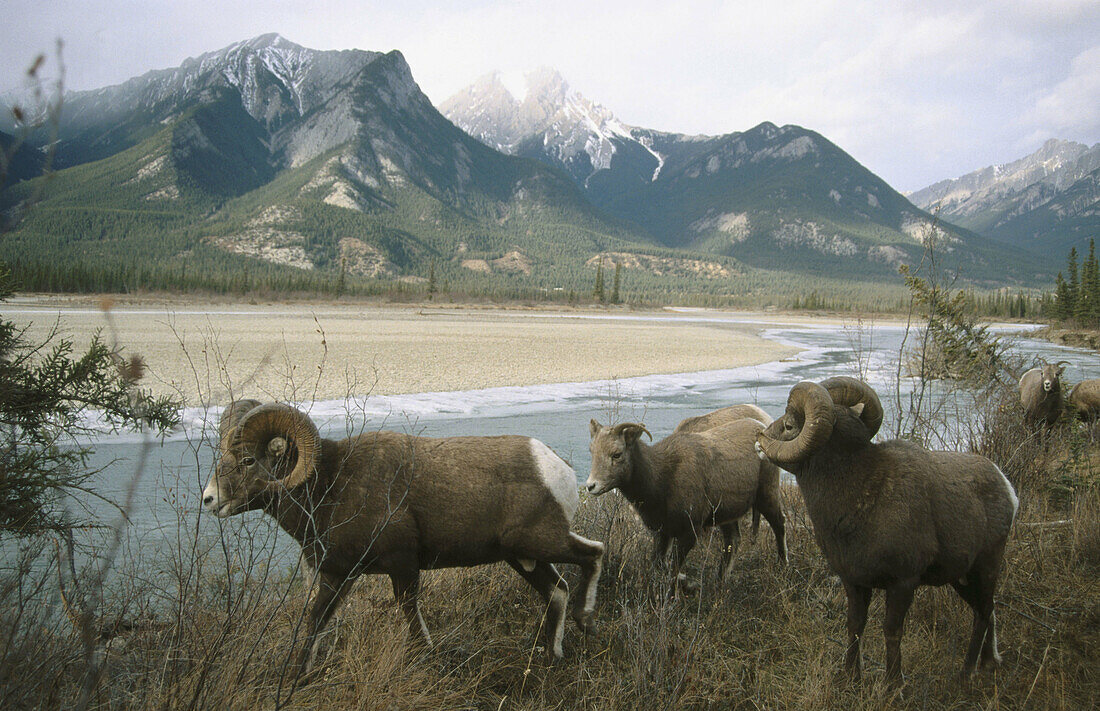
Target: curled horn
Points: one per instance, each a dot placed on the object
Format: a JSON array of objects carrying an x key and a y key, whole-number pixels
[
  {"x": 275, "y": 420},
  {"x": 231, "y": 417},
  {"x": 847, "y": 392},
  {"x": 814, "y": 406},
  {"x": 623, "y": 428}
]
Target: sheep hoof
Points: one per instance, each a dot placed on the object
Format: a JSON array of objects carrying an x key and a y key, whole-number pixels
[
  {"x": 689, "y": 586},
  {"x": 895, "y": 682},
  {"x": 990, "y": 664},
  {"x": 586, "y": 622}
]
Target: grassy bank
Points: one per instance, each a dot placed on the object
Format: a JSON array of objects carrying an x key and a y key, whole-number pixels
[
  {"x": 211, "y": 622},
  {"x": 771, "y": 637}
]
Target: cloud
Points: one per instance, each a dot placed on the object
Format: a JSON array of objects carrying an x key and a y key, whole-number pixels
[{"x": 1071, "y": 106}]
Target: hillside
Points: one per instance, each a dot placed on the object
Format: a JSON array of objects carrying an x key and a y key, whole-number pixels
[
  {"x": 772, "y": 197},
  {"x": 242, "y": 165},
  {"x": 266, "y": 165}
]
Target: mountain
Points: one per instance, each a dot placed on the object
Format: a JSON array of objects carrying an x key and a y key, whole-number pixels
[
  {"x": 304, "y": 161},
  {"x": 550, "y": 123},
  {"x": 773, "y": 197},
  {"x": 267, "y": 163},
  {"x": 23, "y": 161},
  {"x": 276, "y": 82},
  {"x": 1043, "y": 202}
]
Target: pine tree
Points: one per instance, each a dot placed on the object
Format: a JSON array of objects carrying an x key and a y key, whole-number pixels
[
  {"x": 1092, "y": 276},
  {"x": 341, "y": 281},
  {"x": 615, "y": 285},
  {"x": 598, "y": 290},
  {"x": 45, "y": 387},
  {"x": 1073, "y": 284},
  {"x": 1085, "y": 307},
  {"x": 431, "y": 281},
  {"x": 1061, "y": 308}
]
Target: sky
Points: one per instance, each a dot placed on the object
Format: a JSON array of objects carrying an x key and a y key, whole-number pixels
[{"x": 916, "y": 91}]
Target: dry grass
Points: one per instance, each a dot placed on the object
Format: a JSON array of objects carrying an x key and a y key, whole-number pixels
[{"x": 769, "y": 638}]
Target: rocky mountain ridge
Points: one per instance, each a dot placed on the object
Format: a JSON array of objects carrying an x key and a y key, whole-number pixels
[
  {"x": 550, "y": 120},
  {"x": 265, "y": 151},
  {"x": 770, "y": 196},
  {"x": 1045, "y": 200}
]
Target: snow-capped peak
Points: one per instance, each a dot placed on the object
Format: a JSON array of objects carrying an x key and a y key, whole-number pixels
[
  {"x": 504, "y": 113},
  {"x": 516, "y": 84},
  {"x": 277, "y": 80}
]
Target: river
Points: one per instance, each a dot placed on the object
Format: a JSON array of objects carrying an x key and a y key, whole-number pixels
[{"x": 174, "y": 469}]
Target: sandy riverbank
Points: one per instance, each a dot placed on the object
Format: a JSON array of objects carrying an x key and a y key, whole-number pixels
[{"x": 214, "y": 352}]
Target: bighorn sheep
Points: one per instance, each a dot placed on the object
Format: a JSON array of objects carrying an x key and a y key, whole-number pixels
[
  {"x": 1084, "y": 400},
  {"x": 688, "y": 482},
  {"x": 702, "y": 423},
  {"x": 1041, "y": 394},
  {"x": 893, "y": 515},
  {"x": 395, "y": 504}
]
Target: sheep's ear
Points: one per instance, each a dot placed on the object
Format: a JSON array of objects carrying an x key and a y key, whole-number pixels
[
  {"x": 594, "y": 428},
  {"x": 857, "y": 408},
  {"x": 277, "y": 446}
]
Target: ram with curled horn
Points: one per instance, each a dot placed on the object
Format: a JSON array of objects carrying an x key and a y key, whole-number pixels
[
  {"x": 893, "y": 515},
  {"x": 394, "y": 504}
]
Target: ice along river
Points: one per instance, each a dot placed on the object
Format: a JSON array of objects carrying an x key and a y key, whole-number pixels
[{"x": 174, "y": 470}]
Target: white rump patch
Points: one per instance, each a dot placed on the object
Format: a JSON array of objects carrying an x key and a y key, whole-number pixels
[
  {"x": 558, "y": 476},
  {"x": 1011, "y": 492}
]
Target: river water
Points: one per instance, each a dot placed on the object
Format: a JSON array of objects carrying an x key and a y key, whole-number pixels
[
  {"x": 174, "y": 469},
  {"x": 162, "y": 478}
]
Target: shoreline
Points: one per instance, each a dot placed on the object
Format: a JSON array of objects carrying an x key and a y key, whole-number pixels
[{"x": 209, "y": 354}]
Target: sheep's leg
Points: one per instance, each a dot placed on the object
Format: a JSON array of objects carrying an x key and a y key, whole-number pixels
[
  {"x": 551, "y": 587},
  {"x": 327, "y": 591},
  {"x": 859, "y": 598},
  {"x": 406, "y": 590},
  {"x": 990, "y": 655},
  {"x": 772, "y": 510},
  {"x": 660, "y": 546},
  {"x": 898, "y": 600},
  {"x": 684, "y": 544},
  {"x": 571, "y": 549},
  {"x": 731, "y": 541},
  {"x": 755, "y": 521},
  {"x": 978, "y": 593},
  {"x": 591, "y": 564},
  {"x": 988, "y": 576}
]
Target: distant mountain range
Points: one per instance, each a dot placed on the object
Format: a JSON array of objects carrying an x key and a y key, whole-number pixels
[
  {"x": 267, "y": 155},
  {"x": 774, "y": 197},
  {"x": 1047, "y": 201},
  {"x": 305, "y": 159}
]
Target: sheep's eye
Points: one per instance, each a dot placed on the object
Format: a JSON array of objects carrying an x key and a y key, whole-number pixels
[
  {"x": 616, "y": 455},
  {"x": 248, "y": 461}
]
